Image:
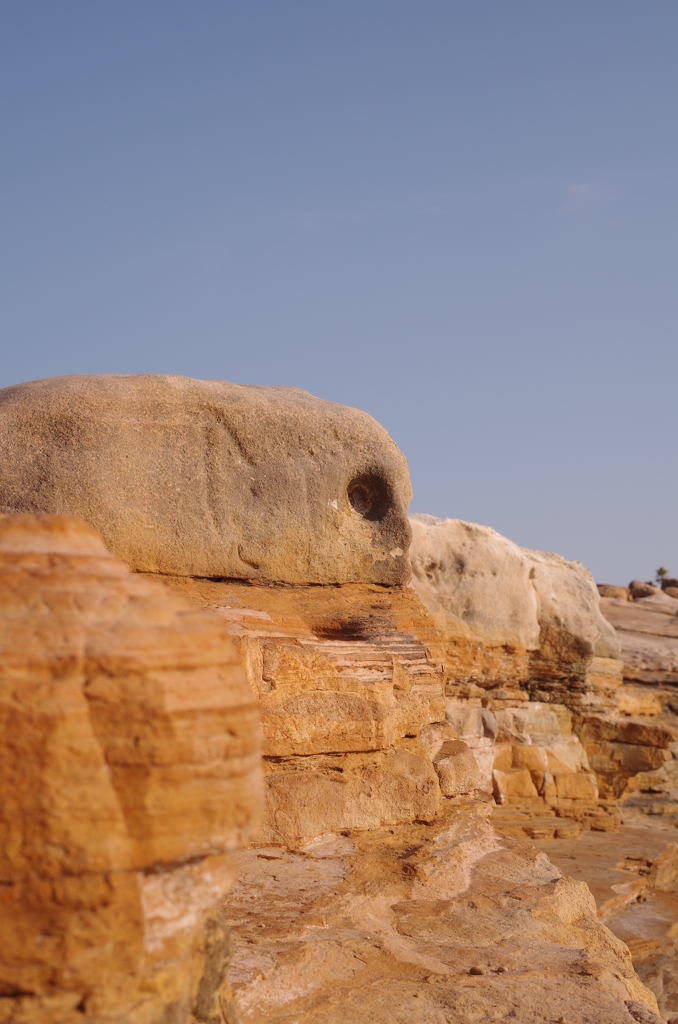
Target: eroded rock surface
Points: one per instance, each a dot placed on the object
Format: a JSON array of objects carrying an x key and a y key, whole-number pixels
[
  {"x": 378, "y": 883},
  {"x": 130, "y": 765},
  {"x": 527, "y": 654},
  {"x": 206, "y": 478},
  {"x": 350, "y": 685},
  {"x": 423, "y": 923},
  {"x": 511, "y": 615},
  {"x": 647, "y": 629},
  {"x": 377, "y": 889},
  {"x": 633, "y": 876}
]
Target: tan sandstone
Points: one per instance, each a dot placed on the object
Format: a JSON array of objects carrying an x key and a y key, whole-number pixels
[
  {"x": 510, "y": 614},
  {"x": 518, "y": 625},
  {"x": 647, "y": 629},
  {"x": 377, "y": 890},
  {"x": 129, "y": 756}
]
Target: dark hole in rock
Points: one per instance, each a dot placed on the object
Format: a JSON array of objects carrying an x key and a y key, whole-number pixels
[
  {"x": 370, "y": 496},
  {"x": 350, "y": 629}
]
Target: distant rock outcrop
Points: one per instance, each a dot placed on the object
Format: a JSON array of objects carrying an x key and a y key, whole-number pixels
[
  {"x": 525, "y": 640},
  {"x": 206, "y": 478},
  {"x": 647, "y": 629}
]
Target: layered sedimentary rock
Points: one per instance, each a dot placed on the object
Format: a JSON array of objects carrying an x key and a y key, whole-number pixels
[
  {"x": 350, "y": 685},
  {"x": 129, "y": 758},
  {"x": 620, "y": 747},
  {"x": 511, "y": 615},
  {"x": 206, "y": 478},
  {"x": 423, "y": 924},
  {"x": 377, "y": 889},
  {"x": 635, "y": 749},
  {"x": 633, "y": 876},
  {"x": 525, "y": 646}
]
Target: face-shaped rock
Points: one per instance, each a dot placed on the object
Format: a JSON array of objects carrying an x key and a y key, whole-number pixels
[{"x": 210, "y": 479}]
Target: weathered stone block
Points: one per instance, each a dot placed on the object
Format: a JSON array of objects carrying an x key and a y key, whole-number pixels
[{"x": 130, "y": 751}]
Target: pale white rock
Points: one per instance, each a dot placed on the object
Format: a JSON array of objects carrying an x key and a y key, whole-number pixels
[
  {"x": 474, "y": 574},
  {"x": 504, "y": 594}
]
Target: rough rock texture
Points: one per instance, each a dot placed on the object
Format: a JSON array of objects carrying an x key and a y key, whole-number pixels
[
  {"x": 349, "y": 682},
  {"x": 477, "y": 585},
  {"x": 206, "y": 478},
  {"x": 620, "y": 747},
  {"x": 633, "y": 876},
  {"x": 525, "y": 644},
  {"x": 423, "y": 924},
  {"x": 129, "y": 758},
  {"x": 377, "y": 890},
  {"x": 647, "y": 629},
  {"x": 378, "y": 883},
  {"x": 510, "y": 615}
]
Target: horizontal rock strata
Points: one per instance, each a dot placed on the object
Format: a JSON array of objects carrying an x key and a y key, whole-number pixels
[
  {"x": 513, "y": 616},
  {"x": 525, "y": 646},
  {"x": 206, "y": 478},
  {"x": 129, "y": 757},
  {"x": 349, "y": 682},
  {"x": 393, "y": 718}
]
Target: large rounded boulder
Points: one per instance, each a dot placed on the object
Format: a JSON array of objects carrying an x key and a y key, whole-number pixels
[{"x": 210, "y": 479}]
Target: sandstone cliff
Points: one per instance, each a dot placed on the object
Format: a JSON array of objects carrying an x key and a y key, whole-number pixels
[
  {"x": 378, "y": 889},
  {"x": 129, "y": 758}
]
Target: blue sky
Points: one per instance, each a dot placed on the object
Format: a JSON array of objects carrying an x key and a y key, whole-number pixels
[{"x": 461, "y": 217}]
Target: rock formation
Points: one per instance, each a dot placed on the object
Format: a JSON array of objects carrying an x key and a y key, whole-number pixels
[
  {"x": 378, "y": 888},
  {"x": 512, "y": 616},
  {"x": 349, "y": 682},
  {"x": 423, "y": 923},
  {"x": 527, "y": 653},
  {"x": 205, "y": 478},
  {"x": 647, "y": 629},
  {"x": 129, "y": 758}
]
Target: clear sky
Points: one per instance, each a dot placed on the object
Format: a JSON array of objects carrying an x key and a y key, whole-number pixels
[{"x": 460, "y": 217}]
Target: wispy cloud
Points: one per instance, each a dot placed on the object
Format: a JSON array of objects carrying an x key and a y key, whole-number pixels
[{"x": 588, "y": 194}]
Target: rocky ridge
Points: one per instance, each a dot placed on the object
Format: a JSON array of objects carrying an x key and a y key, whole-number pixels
[{"x": 378, "y": 887}]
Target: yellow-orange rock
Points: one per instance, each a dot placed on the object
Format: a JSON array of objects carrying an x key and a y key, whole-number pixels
[
  {"x": 349, "y": 681},
  {"x": 129, "y": 758}
]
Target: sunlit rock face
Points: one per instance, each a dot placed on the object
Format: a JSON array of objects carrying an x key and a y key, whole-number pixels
[
  {"x": 130, "y": 764},
  {"x": 647, "y": 628},
  {"x": 377, "y": 888},
  {"x": 511, "y": 615},
  {"x": 210, "y": 479},
  {"x": 527, "y": 654},
  {"x": 349, "y": 680}
]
